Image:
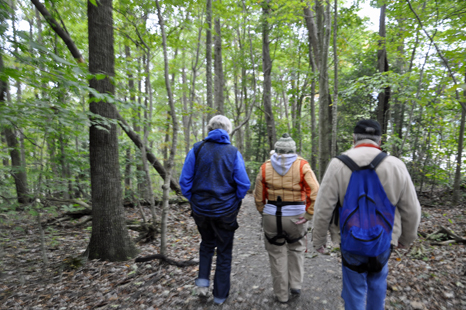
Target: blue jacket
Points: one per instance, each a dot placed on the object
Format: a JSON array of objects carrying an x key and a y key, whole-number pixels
[{"x": 217, "y": 181}]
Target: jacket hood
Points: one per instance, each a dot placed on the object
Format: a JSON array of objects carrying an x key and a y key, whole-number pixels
[
  {"x": 219, "y": 136},
  {"x": 282, "y": 163}
]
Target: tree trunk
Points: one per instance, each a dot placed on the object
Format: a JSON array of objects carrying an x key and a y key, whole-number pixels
[
  {"x": 170, "y": 163},
  {"x": 208, "y": 56},
  {"x": 335, "y": 83},
  {"x": 313, "y": 63},
  {"x": 17, "y": 170},
  {"x": 219, "y": 79},
  {"x": 325, "y": 102},
  {"x": 267, "y": 68},
  {"x": 456, "y": 186},
  {"x": 110, "y": 239},
  {"x": 382, "y": 64}
]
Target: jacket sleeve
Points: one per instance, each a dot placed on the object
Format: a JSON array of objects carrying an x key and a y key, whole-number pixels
[
  {"x": 311, "y": 187},
  {"x": 326, "y": 202},
  {"x": 410, "y": 211},
  {"x": 259, "y": 191},
  {"x": 187, "y": 174},
  {"x": 241, "y": 177}
]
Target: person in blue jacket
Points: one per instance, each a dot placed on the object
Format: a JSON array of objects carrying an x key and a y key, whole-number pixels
[{"x": 214, "y": 180}]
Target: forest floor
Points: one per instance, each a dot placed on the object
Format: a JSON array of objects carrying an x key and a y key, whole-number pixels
[{"x": 425, "y": 276}]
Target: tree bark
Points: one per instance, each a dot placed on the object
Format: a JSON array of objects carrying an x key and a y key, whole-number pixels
[
  {"x": 335, "y": 83},
  {"x": 325, "y": 101},
  {"x": 208, "y": 56},
  {"x": 382, "y": 65},
  {"x": 110, "y": 239},
  {"x": 219, "y": 79},
  {"x": 459, "y": 160},
  {"x": 267, "y": 69}
]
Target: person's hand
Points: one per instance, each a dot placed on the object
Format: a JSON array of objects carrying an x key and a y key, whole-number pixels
[
  {"x": 321, "y": 250},
  {"x": 301, "y": 220}
]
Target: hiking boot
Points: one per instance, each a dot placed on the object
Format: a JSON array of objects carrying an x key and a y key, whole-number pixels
[
  {"x": 203, "y": 291},
  {"x": 295, "y": 291}
]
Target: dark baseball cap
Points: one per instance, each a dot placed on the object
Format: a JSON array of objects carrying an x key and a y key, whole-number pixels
[{"x": 368, "y": 127}]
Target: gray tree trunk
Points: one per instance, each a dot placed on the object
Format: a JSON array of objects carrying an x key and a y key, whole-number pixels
[
  {"x": 208, "y": 56},
  {"x": 110, "y": 239},
  {"x": 335, "y": 83},
  {"x": 267, "y": 69},
  {"x": 219, "y": 79},
  {"x": 325, "y": 102},
  {"x": 170, "y": 163}
]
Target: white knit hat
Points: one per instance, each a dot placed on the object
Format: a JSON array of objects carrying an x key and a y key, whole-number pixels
[{"x": 285, "y": 145}]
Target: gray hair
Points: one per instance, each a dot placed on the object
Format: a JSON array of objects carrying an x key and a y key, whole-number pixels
[
  {"x": 219, "y": 122},
  {"x": 361, "y": 136}
]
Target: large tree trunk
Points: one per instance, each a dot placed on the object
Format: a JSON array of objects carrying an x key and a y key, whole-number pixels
[
  {"x": 456, "y": 187},
  {"x": 267, "y": 69},
  {"x": 382, "y": 64},
  {"x": 208, "y": 55},
  {"x": 219, "y": 80},
  {"x": 110, "y": 239}
]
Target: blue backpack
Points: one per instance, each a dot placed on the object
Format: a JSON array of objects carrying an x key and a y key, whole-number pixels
[{"x": 367, "y": 216}]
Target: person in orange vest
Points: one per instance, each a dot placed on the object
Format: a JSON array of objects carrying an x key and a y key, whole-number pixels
[{"x": 285, "y": 191}]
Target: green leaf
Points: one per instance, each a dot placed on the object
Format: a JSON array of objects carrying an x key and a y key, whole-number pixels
[
  {"x": 100, "y": 76},
  {"x": 94, "y": 2}
]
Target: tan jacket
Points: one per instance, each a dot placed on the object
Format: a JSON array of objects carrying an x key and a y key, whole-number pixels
[
  {"x": 298, "y": 184},
  {"x": 396, "y": 182}
]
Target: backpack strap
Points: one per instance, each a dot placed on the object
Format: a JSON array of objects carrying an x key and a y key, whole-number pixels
[
  {"x": 377, "y": 160},
  {"x": 354, "y": 167},
  {"x": 348, "y": 162}
]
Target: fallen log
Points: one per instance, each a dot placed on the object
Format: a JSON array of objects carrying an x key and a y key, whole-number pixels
[{"x": 167, "y": 260}]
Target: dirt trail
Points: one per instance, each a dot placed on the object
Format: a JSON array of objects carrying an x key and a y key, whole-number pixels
[{"x": 251, "y": 279}]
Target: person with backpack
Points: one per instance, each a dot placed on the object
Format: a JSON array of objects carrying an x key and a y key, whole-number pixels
[
  {"x": 214, "y": 180},
  {"x": 371, "y": 198},
  {"x": 285, "y": 191}
]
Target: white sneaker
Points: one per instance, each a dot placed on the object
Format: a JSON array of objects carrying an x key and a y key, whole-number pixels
[{"x": 202, "y": 291}]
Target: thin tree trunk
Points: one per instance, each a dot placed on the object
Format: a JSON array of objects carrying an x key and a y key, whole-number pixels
[
  {"x": 17, "y": 170},
  {"x": 170, "y": 163},
  {"x": 219, "y": 79},
  {"x": 208, "y": 56},
  {"x": 459, "y": 160},
  {"x": 267, "y": 69},
  {"x": 382, "y": 65},
  {"x": 335, "y": 83},
  {"x": 109, "y": 239}
]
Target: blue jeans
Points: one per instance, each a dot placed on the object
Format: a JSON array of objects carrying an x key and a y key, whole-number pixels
[
  {"x": 366, "y": 290},
  {"x": 215, "y": 234}
]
